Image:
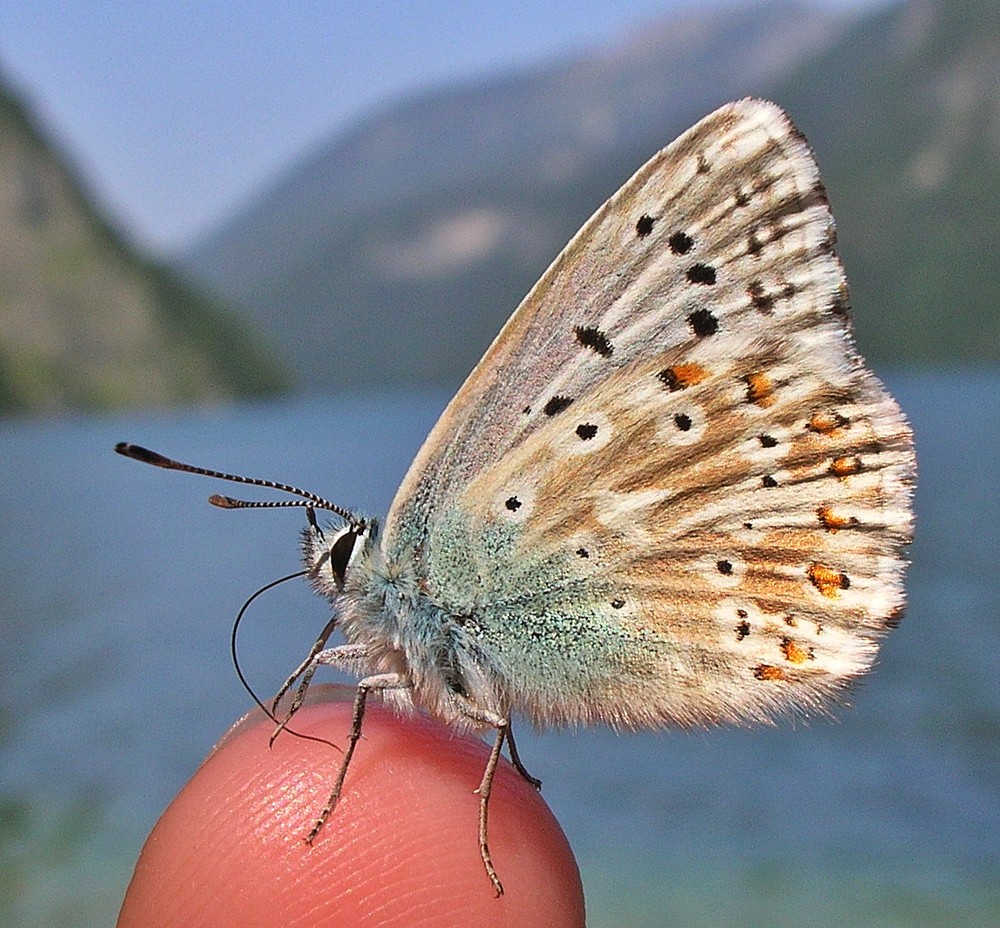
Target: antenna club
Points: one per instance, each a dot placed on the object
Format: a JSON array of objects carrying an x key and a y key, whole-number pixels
[
  {"x": 138, "y": 453},
  {"x": 224, "y": 502}
]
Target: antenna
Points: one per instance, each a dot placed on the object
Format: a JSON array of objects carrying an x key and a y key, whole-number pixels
[{"x": 311, "y": 500}]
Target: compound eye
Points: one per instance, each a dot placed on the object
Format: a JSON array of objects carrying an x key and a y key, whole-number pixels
[{"x": 342, "y": 553}]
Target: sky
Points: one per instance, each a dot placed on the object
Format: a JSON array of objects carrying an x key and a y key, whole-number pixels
[{"x": 174, "y": 113}]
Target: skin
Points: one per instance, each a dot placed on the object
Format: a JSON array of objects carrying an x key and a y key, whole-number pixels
[{"x": 400, "y": 849}]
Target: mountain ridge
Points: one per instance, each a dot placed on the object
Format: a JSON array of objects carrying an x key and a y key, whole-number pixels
[
  {"x": 410, "y": 286},
  {"x": 86, "y": 320},
  {"x": 477, "y": 188}
]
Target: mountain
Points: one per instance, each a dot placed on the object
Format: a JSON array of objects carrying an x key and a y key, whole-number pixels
[
  {"x": 905, "y": 112},
  {"x": 86, "y": 321},
  {"x": 396, "y": 251}
]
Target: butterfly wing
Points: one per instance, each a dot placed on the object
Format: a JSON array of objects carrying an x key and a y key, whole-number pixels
[{"x": 671, "y": 491}]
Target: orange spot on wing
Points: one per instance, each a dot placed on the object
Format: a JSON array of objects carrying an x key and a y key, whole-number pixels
[
  {"x": 769, "y": 672},
  {"x": 826, "y": 422},
  {"x": 682, "y": 376},
  {"x": 793, "y": 652},
  {"x": 831, "y": 521},
  {"x": 845, "y": 467},
  {"x": 828, "y": 580},
  {"x": 760, "y": 388}
]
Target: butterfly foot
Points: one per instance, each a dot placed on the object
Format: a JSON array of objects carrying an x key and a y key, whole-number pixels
[
  {"x": 318, "y": 826},
  {"x": 534, "y": 781}
]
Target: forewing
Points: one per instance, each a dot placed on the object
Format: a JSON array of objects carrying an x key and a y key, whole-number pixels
[{"x": 739, "y": 181}]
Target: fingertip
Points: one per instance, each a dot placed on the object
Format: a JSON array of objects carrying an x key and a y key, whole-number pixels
[{"x": 401, "y": 847}]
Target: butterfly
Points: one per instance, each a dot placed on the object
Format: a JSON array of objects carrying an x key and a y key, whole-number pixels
[{"x": 670, "y": 494}]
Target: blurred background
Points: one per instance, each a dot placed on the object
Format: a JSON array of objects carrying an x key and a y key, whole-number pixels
[{"x": 274, "y": 238}]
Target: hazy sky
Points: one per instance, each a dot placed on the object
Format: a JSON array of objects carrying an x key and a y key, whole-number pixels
[{"x": 175, "y": 111}]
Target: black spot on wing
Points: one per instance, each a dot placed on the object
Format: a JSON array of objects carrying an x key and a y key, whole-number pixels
[
  {"x": 703, "y": 274},
  {"x": 763, "y": 300},
  {"x": 680, "y": 243},
  {"x": 703, "y": 323},
  {"x": 645, "y": 225},
  {"x": 586, "y": 431},
  {"x": 669, "y": 379},
  {"x": 760, "y": 299},
  {"x": 556, "y": 405},
  {"x": 591, "y": 337}
]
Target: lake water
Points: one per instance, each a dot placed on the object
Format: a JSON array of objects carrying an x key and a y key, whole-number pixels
[{"x": 119, "y": 585}]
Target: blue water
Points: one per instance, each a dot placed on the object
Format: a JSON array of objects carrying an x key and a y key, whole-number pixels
[{"x": 119, "y": 585}]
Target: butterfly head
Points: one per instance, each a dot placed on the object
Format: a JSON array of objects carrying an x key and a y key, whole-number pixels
[{"x": 331, "y": 551}]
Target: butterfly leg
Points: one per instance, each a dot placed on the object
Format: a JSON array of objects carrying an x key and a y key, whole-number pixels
[
  {"x": 346, "y": 657},
  {"x": 503, "y": 730},
  {"x": 379, "y": 682},
  {"x": 515, "y": 759},
  {"x": 305, "y": 670},
  {"x": 485, "y": 788}
]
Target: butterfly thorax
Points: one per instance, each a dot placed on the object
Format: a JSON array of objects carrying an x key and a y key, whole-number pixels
[{"x": 383, "y": 605}]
